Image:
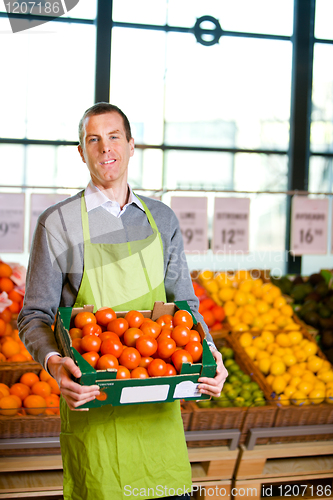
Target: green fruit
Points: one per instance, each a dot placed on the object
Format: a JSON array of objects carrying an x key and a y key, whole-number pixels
[
  {"x": 227, "y": 353},
  {"x": 227, "y": 387},
  {"x": 222, "y": 396},
  {"x": 259, "y": 402},
  {"x": 224, "y": 403},
  {"x": 258, "y": 394},
  {"x": 229, "y": 362},
  {"x": 245, "y": 394},
  {"x": 254, "y": 386},
  {"x": 247, "y": 387},
  {"x": 247, "y": 403},
  {"x": 239, "y": 401},
  {"x": 234, "y": 367},
  {"x": 233, "y": 378},
  {"x": 204, "y": 404},
  {"x": 245, "y": 378},
  {"x": 232, "y": 394}
]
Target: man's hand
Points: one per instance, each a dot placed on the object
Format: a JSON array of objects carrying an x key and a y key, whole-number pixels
[
  {"x": 74, "y": 394},
  {"x": 213, "y": 386}
]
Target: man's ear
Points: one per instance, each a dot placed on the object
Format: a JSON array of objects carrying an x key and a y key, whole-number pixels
[{"x": 80, "y": 150}]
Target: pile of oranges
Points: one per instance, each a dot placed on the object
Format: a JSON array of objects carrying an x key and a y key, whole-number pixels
[
  {"x": 137, "y": 347},
  {"x": 212, "y": 313},
  {"x": 32, "y": 395},
  {"x": 7, "y": 285}
]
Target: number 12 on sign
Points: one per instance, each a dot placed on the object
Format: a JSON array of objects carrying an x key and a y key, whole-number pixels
[{"x": 231, "y": 225}]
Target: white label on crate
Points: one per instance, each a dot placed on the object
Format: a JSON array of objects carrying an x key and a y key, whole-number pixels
[
  {"x": 192, "y": 215},
  {"x": 231, "y": 225},
  {"x": 309, "y": 226},
  {"x": 12, "y": 222},
  {"x": 186, "y": 389},
  {"x": 144, "y": 393},
  {"x": 40, "y": 202}
]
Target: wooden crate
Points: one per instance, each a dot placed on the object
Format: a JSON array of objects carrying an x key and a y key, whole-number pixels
[
  {"x": 10, "y": 373},
  {"x": 212, "y": 463}
]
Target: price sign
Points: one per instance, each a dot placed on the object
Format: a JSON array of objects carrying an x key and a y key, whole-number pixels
[
  {"x": 332, "y": 230},
  {"x": 231, "y": 225},
  {"x": 39, "y": 203},
  {"x": 192, "y": 215},
  {"x": 12, "y": 222},
  {"x": 309, "y": 226}
]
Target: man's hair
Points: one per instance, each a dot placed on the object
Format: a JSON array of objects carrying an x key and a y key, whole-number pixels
[{"x": 102, "y": 108}]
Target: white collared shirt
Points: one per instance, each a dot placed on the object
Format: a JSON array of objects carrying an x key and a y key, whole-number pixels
[{"x": 95, "y": 198}]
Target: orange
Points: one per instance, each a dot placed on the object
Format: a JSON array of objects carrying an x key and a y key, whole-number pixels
[
  {"x": 29, "y": 378},
  {"x": 17, "y": 358},
  {"x": 20, "y": 390},
  {"x": 53, "y": 403},
  {"x": 4, "y": 389},
  {"x": 9, "y": 406},
  {"x": 44, "y": 375},
  {"x": 5, "y": 270},
  {"x": 6, "y": 285},
  {"x": 34, "y": 404},
  {"x": 41, "y": 388},
  {"x": 2, "y": 358},
  {"x": 55, "y": 389}
]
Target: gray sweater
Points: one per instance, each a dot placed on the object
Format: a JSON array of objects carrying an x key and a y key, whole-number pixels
[{"x": 56, "y": 263}]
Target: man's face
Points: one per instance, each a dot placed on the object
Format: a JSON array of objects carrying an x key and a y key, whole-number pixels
[{"x": 106, "y": 150}]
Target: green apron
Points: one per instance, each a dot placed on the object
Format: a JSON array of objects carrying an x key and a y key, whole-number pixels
[{"x": 133, "y": 451}]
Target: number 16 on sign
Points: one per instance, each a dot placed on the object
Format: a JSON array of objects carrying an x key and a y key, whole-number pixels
[{"x": 309, "y": 226}]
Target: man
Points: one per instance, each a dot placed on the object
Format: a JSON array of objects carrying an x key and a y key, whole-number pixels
[{"x": 107, "y": 247}]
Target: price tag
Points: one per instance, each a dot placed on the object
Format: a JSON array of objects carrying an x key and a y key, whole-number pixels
[
  {"x": 12, "y": 222},
  {"x": 39, "y": 203},
  {"x": 192, "y": 215},
  {"x": 332, "y": 229},
  {"x": 231, "y": 225},
  {"x": 308, "y": 226}
]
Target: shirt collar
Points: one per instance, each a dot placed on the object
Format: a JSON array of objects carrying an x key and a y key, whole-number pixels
[{"x": 95, "y": 198}]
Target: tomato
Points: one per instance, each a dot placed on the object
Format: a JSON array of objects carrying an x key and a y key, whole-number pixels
[
  {"x": 195, "y": 336},
  {"x": 207, "y": 303},
  {"x": 165, "y": 320},
  {"x": 108, "y": 335},
  {"x": 112, "y": 346},
  {"x": 139, "y": 372},
  {"x": 165, "y": 334},
  {"x": 145, "y": 360},
  {"x": 208, "y": 317},
  {"x": 170, "y": 370},
  {"x": 92, "y": 358},
  {"x": 146, "y": 345},
  {"x": 165, "y": 348},
  {"x": 183, "y": 318},
  {"x": 118, "y": 326},
  {"x": 123, "y": 372},
  {"x": 82, "y": 318},
  {"x": 104, "y": 315},
  {"x": 134, "y": 319},
  {"x": 91, "y": 329},
  {"x": 107, "y": 361},
  {"x": 179, "y": 357},
  {"x": 75, "y": 333},
  {"x": 91, "y": 343},
  {"x": 195, "y": 349},
  {"x": 216, "y": 327},
  {"x": 157, "y": 368},
  {"x": 151, "y": 328},
  {"x": 76, "y": 343},
  {"x": 219, "y": 313},
  {"x": 131, "y": 335},
  {"x": 181, "y": 335},
  {"x": 130, "y": 358}
]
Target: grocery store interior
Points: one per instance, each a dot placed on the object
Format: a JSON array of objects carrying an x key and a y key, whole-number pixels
[{"x": 231, "y": 109}]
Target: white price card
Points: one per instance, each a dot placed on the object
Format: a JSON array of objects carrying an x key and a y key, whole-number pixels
[
  {"x": 231, "y": 225},
  {"x": 12, "y": 222},
  {"x": 309, "y": 219},
  {"x": 332, "y": 229},
  {"x": 192, "y": 215},
  {"x": 40, "y": 202}
]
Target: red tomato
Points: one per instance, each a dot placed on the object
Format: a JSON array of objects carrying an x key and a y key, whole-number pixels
[
  {"x": 218, "y": 312},
  {"x": 108, "y": 335},
  {"x": 104, "y": 315},
  {"x": 151, "y": 328},
  {"x": 76, "y": 343},
  {"x": 195, "y": 336},
  {"x": 146, "y": 345},
  {"x": 181, "y": 335},
  {"x": 195, "y": 349},
  {"x": 92, "y": 358},
  {"x": 165, "y": 348},
  {"x": 75, "y": 333},
  {"x": 157, "y": 368},
  {"x": 91, "y": 343},
  {"x": 82, "y": 318},
  {"x": 139, "y": 372},
  {"x": 134, "y": 319},
  {"x": 130, "y": 358},
  {"x": 112, "y": 346},
  {"x": 91, "y": 329},
  {"x": 207, "y": 303},
  {"x": 118, "y": 326},
  {"x": 179, "y": 357},
  {"x": 216, "y": 327},
  {"x": 165, "y": 334},
  {"x": 208, "y": 317},
  {"x": 131, "y": 335},
  {"x": 165, "y": 320},
  {"x": 145, "y": 360},
  {"x": 107, "y": 361},
  {"x": 170, "y": 370},
  {"x": 183, "y": 318},
  {"x": 123, "y": 372}
]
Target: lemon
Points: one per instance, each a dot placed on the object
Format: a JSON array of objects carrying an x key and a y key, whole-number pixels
[
  {"x": 272, "y": 327},
  {"x": 329, "y": 385},
  {"x": 229, "y": 308},
  {"x": 295, "y": 371},
  {"x": 325, "y": 366},
  {"x": 266, "y": 287},
  {"x": 257, "y": 282},
  {"x": 205, "y": 276},
  {"x": 329, "y": 396},
  {"x": 281, "y": 321},
  {"x": 286, "y": 376},
  {"x": 295, "y": 337},
  {"x": 242, "y": 275},
  {"x": 294, "y": 381},
  {"x": 316, "y": 396},
  {"x": 223, "y": 280},
  {"x": 279, "y": 351},
  {"x": 310, "y": 348},
  {"x": 300, "y": 355},
  {"x": 274, "y": 312},
  {"x": 240, "y": 327},
  {"x": 287, "y": 310},
  {"x": 320, "y": 385},
  {"x": 271, "y": 347},
  {"x": 269, "y": 379},
  {"x": 275, "y": 358},
  {"x": 326, "y": 376},
  {"x": 258, "y": 323},
  {"x": 226, "y": 293},
  {"x": 240, "y": 298},
  {"x": 259, "y": 343},
  {"x": 304, "y": 387},
  {"x": 262, "y": 355},
  {"x": 309, "y": 377},
  {"x": 216, "y": 298},
  {"x": 289, "y": 390},
  {"x": 298, "y": 398},
  {"x": 283, "y": 400},
  {"x": 245, "y": 286},
  {"x": 314, "y": 364},
  {"x": 239, "y": 311},
  {"x": 262, "y": 306},
  {"x": 267, "y": 318},
  {"x": 268, "y": 297},
  {"x": 251, "y": 351},
  {"x": 251, "y": 299},
  {"x": 283, "y": 340},
  {"x": 289, "y": 360},
  {"x": 245, "y": 339},
  {"x": 264, "y": 365},
  {"x": 291, "y": 325},
  {"x": 233, "y": 320},
  {"x": 277, "y": 368},
  {"x": 268, "y": 337},
  {"x": 279, "y": 302},
  {"x": 279, "y": 384},
  {"x": 251, "y": 309},
  {"x": 211, "y": 286}
]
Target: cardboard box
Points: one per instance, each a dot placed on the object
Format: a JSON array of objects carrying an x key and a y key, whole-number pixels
[{"x": 132, "y": 391}]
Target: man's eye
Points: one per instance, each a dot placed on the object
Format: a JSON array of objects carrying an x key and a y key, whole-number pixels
[{"x": 93, "y": 139}]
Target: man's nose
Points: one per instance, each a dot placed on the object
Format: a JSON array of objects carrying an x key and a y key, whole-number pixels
[{"x": 105, "y": 146}]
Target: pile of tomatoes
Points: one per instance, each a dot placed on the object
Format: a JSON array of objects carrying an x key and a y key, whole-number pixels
[{"x": 137, "y": 347}]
